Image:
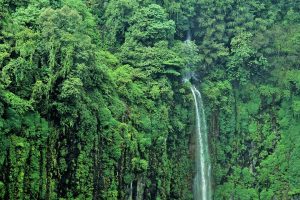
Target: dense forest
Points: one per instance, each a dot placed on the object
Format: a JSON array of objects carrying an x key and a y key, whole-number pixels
[{"x": 93, "y": 104}]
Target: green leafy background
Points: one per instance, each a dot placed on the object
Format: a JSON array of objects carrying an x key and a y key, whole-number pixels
[{"x": 93, "y": 103}]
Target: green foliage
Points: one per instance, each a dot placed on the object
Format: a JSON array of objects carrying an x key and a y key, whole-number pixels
[
  {"x": 118, "y": 14},
  {"x": 149, "y": 25},
  {"x": 80, "y": 122}
]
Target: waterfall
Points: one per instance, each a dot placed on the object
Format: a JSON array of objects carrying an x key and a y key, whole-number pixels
[
  {"x": 202, "y": 181},
  {"x": 202, "y": 189},
  {"x": 130, "y": 192}
]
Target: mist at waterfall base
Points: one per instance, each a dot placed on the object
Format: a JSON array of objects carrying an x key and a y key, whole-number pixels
[{"x": 202, "y": 189}]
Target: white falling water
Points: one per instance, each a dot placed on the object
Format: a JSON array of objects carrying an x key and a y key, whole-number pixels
[
  {"x": 130, "y": 192},
  {"x": 202, "y": 181}
]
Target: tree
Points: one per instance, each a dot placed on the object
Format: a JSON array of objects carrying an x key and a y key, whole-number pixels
[{"x": 149, "y": 25}]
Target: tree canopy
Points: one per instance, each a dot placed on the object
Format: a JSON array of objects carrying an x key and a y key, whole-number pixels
[{"x": 95, "y": 99}]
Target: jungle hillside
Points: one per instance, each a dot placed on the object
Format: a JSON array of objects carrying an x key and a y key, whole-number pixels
[{"x": 96, "y": 100}]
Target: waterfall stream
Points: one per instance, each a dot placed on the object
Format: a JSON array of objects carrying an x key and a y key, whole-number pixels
[{"x": 202, "y": 181}]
